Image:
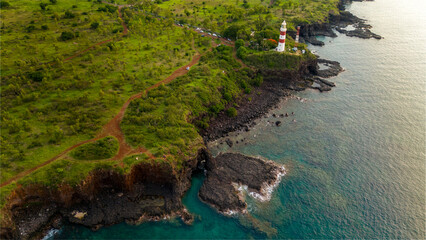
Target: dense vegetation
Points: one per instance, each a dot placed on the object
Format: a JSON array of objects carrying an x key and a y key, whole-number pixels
[
  {"x": 47, "y": 104},
  {"x": 101, "y": 149},
  {"x": 53, "y": 98},
  {"x": 241, "y": 17},
  {"x": 161, "y": 120}
]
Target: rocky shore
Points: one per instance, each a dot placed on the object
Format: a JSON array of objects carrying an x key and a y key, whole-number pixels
[
  {"x": 231, "y": 176},
  {"x": 277, "y": 85},
  {"x": 337, "y": 22}
]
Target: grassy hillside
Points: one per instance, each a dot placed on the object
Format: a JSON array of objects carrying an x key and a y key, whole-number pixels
[
  {"x": 161, "y": 119},
  {"x": 48, "y": 104},
  {"x": 68, "y": 66},
  {"x": 218, "y": 15}
]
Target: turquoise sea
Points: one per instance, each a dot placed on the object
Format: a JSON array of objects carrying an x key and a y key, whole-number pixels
[{"x": 355, "y": 157}]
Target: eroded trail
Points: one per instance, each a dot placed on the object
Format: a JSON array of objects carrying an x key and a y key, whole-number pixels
[
  {"x": 24, "y": 173},
  {"x": 112, "y": 128}
]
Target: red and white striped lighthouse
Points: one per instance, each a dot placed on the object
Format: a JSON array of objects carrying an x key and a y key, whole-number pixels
[
  {"x": 297, "y": 35},
  {"x": 283, "y": 32}
]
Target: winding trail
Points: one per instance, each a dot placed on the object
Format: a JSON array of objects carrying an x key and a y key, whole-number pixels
[{"x": 112, "y": 128}]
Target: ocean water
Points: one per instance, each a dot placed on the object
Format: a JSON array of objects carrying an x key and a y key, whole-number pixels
[{"x": 355, "y": 156}]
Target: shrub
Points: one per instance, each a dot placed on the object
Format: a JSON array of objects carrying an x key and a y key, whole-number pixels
[
  {"x": 36, "y": 76},
  {"x": 242, "y": 52},
  {"x": 30, "y": 28},
  {"x": 231, "y": 112},
  {"x": 227, "y": 96},
  {"x": 68, "y": 14},
  {"x": 107, "y": 8},
  {"x": 53, "y": 1},
  {"x": 66, "y": 36},
  {"x": 102, "y": 149},
  {"x": 232, "y": 31},
  {"x": 257, "y": 81},
  {"x": 239, "y": 43},
  {"x": 44, "y": 27},
  {"x": 94, "y": 25},
  {"x": 4, "y": 4},
  {"x": 34, "y": 144},
  {"x": 43, "y": 6},
  {"x": 56, "y": 136}
]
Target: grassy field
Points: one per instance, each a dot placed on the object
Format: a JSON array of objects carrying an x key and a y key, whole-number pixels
[
  {"x": 49, "y": 104},
  {"x": 255, "y": 15},
  {"x": 73, "y": 100}
]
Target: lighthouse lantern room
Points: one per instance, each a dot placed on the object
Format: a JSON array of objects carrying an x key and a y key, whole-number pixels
[{"x": 281, "y": 42}]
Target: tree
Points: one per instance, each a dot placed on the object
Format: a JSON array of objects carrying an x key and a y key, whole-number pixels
[
  {"x": 94, "y": 25},
  {"x": 56, "y": 136},
  {"x": 232, "y": 31},
  {"x": 231, "y": 112},
  {"x": 66, "y": 36},
  {"x": 36, "y": 76},
  {"x": 242, "y": 52},
  {"x": 68, "y": 14},
  {"x": 43, "y": 6},
  {"x": 4, "y": 4},
  {"x": 239, "y": 43}
]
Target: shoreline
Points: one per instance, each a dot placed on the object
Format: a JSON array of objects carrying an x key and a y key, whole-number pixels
[{"x": 265, "y": 98}]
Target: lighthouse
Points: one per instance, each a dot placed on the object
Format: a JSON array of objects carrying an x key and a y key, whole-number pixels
[
  {"x": 297, "y": 35},
  {"x": 281, "y": 43}
]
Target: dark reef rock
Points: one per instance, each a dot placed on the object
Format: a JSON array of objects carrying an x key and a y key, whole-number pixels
[
  {"x": 333, "y": 69},
  {"x": 223, "y": 186},
  {"x": 338, "y": 22}
]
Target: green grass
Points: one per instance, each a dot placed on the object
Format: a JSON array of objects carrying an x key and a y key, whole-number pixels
[
  {"x": 101, "y": 149},
  {"x": 217, "y": 15},
  {"x": 66, "y": 171},
  {"x": 167, "y": 119},
  {"x": 48, "y": 105},
  {"x": 75, "y": 99}
]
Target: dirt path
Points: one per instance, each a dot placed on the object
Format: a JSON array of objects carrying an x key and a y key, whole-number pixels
[
  {"x": 24, "y": 173},
  {"x": 112, "y": 128}
]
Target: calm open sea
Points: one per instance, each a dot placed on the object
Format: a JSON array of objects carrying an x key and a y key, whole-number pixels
[{"x": 355, "y": 156}]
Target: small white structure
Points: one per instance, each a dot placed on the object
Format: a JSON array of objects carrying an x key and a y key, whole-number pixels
[{"x": 283, "y": 32}]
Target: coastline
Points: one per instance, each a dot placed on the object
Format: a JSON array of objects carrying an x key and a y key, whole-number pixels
[{"x": 251, "y": 107}]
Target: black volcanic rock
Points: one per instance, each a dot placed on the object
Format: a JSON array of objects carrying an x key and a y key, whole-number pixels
[{"x": 232, "y": 170}]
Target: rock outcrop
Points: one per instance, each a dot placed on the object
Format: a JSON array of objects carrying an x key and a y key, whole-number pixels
[
  {"x": 308, "y": 32},
  {"x": 231, "y": 174},
  {"x": 105, "y": 197}
]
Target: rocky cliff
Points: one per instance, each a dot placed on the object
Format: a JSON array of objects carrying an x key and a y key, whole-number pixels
[{"x": 149, "y": 191}]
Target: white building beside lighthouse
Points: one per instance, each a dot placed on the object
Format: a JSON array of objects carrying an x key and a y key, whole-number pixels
[{"x": 281, "y": 42}]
